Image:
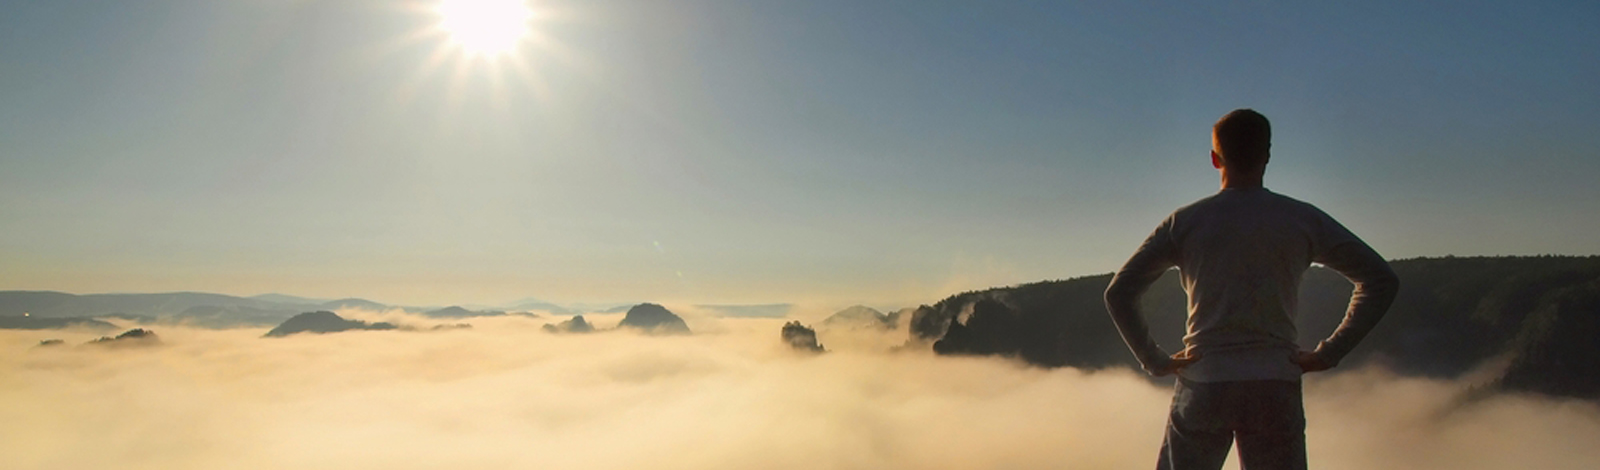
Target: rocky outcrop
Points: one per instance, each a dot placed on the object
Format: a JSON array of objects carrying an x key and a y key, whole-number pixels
[
  {"x": 928, "y": 323},
  {"x": 654, "y": 319},
  {"x": 992, "y": 328},
  {"x": 323, "y": 322},
  {"x": 801, "y": 338},
  {"x": 1555, "y": 353}
]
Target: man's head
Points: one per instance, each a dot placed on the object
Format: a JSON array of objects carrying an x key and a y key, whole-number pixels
[{"x": 1242, "y": 142}]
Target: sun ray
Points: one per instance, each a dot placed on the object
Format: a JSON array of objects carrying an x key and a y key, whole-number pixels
[
  {"x": 457, "y": 83},
  {"x": 490, "y": 28}
]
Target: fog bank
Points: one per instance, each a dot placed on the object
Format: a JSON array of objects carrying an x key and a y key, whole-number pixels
[{"x": 504, "y": 394}]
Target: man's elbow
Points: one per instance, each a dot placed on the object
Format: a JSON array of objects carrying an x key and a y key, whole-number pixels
[
  {"x": 1113, "y": 291},
  {"x": 1378, "y": 285},
  {"x": 1385, "y": 280},
  {"x": 1118, "y": 293}
]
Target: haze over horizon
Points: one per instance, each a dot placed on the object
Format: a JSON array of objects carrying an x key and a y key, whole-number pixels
[{"x": 727, "y": 152}]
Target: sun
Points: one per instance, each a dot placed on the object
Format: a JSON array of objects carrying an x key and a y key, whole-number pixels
[{"x": 485, "y": 27}]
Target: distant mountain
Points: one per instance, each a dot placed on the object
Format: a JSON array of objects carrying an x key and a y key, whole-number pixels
[
  {"x": 459, "y": 312},
  {"x": 214, "y": 316},
  {"x": 655, "y": 319},
  {"x": 59, "y": 304},
  {"x": 749, "y": 311},
  {"x": 129, "y": 317},
  {"x": 36, "y": 323},
  {"x": 1451, "y": 315},
  {"x": 323, "y": 322},
  {"x": 858, "y": 317},
  {"x": 801, "y": 338},
  {"x": 40, "y": 303},
  {"x": 353, "y": 304},
  {"x": 576, "y": 324},
  {"x": 542, "y": 306},
  {"x": 288, "y": 299}
]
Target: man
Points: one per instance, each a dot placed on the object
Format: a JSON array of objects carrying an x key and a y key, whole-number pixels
[{"x": 1241, "y": 254}]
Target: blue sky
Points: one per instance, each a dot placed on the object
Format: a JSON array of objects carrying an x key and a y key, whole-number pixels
[{"x": 759, "y": 151}]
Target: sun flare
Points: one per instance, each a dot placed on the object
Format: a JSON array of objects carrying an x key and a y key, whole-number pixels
[{"x": 485, "y": 27}]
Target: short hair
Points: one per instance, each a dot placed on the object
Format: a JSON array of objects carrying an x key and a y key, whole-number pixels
[{"x": 1244, "y": 139}]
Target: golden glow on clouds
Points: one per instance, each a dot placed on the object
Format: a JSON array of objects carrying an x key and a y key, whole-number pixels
[
  {"x": 486, "y": 27},
  {"x": 504, "y": 394}
]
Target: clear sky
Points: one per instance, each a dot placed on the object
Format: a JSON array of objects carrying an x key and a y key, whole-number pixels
[{"x": 759, "y": 151}]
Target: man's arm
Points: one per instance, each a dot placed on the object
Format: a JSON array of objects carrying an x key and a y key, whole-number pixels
[
  {"x": 1375, "y": 289},
  {"x": 1154, "y": 257}
]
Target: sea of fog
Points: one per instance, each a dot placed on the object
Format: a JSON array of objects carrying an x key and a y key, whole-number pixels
[{"x": 504, "y": 394}]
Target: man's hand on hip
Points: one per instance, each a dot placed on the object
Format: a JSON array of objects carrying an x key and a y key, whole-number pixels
[
  {"x": 1172, "y": 364},
  {"x": 1311, "y": 362}
]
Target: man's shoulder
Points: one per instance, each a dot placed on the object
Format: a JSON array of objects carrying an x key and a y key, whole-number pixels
[
  {"x": 1259, "y": 201},
  {"x": 1292, "y": 201},
  {"x": 1247, "y": 197}
]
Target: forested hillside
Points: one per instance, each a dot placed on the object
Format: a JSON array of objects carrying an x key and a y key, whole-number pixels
[{"x": 1540, "y": 315}]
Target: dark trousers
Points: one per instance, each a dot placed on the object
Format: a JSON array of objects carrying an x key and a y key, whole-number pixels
[{"x": 1266, "y": 417}]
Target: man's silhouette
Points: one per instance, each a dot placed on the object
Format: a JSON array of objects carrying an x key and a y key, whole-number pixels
[{"x": 1241, "y": 254}]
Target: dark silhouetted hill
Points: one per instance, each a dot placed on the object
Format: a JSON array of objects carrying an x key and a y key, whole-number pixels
[
  {"x": 576, "y": 324},
  {"x": 991, "y": 328},
  {"x": 654, "y": 319},
  {"x": 137, "y": 337},
  {"x": 19, "y": 322},
  {"x": 1451, "y": 315},
  {"x": 323, "y": 322},
  {"x": 801, "y": 338}
]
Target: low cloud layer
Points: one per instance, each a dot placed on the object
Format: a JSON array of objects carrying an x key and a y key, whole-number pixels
[{"x": 505, "y": 395}]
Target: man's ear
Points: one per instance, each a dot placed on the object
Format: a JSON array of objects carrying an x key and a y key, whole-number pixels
[{"x": 1216, "y": 160}]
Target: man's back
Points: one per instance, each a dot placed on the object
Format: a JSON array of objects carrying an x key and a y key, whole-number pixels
[{"x": 1241, "y": 254}]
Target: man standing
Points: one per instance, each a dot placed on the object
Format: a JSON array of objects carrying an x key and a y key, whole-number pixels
[{"x": 1241, "y": 254}]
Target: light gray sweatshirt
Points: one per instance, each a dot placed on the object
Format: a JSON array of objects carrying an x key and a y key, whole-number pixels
[{"x": 1241, "y": 254}]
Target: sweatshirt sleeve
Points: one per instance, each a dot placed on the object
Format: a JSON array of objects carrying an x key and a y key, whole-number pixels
[
  {"x": 1157, "y": 254},
  {"x": 1375, "y": 288}
]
